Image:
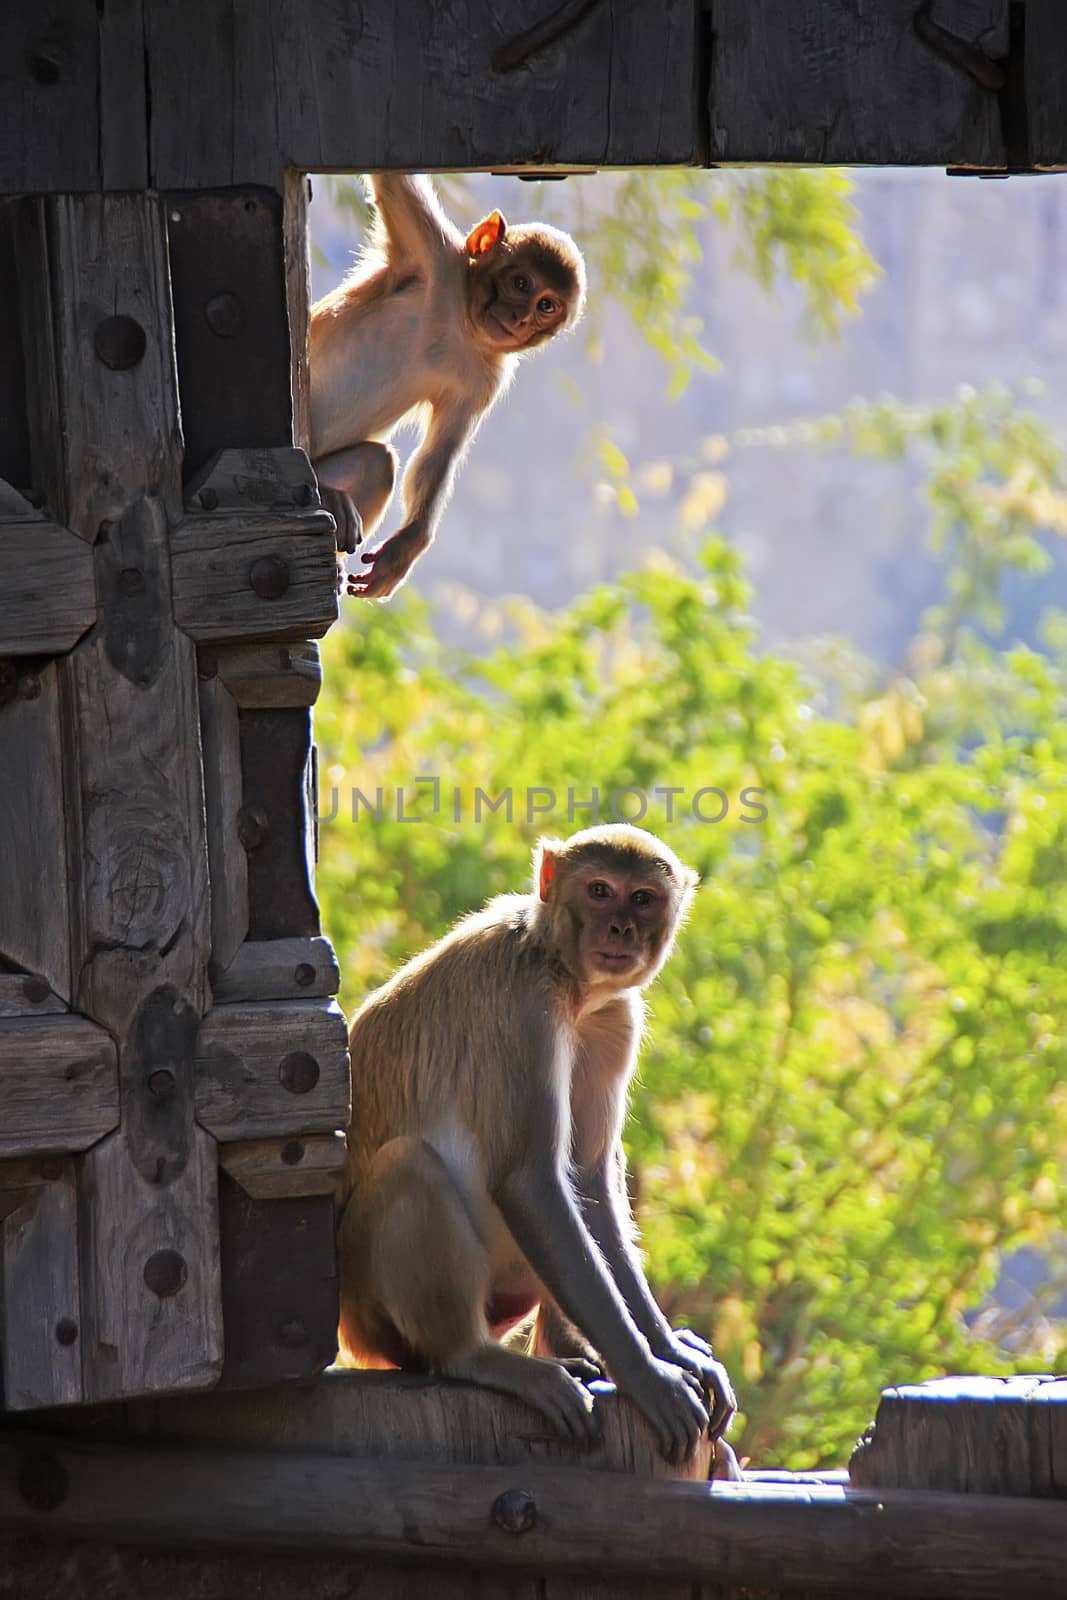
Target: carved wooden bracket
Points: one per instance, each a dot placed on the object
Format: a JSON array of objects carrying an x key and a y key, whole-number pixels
[{"x": 255, "y": 556}]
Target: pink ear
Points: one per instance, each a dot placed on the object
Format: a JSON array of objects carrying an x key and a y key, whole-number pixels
[
  {"x": 487, "y": 233},
  {"x": 548, "y": 873}
]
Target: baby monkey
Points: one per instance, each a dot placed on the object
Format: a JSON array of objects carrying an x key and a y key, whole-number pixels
[
  {"x": 429, "y": 326},
  {"x": 486, "y": 1175}
]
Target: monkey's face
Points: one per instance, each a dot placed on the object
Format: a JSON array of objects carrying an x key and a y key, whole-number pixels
[
  {"x": 622, "y": 923},
  {"x": 514, "y": 307}
]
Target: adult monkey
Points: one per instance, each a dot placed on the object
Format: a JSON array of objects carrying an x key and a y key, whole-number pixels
[
  {"x": 429, "y": 325},
  {"x": 485, "y": 1172}
]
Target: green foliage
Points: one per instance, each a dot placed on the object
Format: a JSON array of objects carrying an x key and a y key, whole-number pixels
[
  {"x": 853, "y": 1096},
  {"x": 803, "y": 222}
]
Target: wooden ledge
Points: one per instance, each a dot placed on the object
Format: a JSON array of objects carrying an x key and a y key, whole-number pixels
[
  {"x": 380, "y": 1415},
  {"x": 814, "y": 1539}
]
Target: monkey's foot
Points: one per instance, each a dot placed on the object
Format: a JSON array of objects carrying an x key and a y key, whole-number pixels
[
  {"x": 545, "y": 1385},
  {"x": 578, "y": 1367},
  {"x": 342, "y": 509}
]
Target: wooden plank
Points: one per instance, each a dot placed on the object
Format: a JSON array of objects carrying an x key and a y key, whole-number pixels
[
  {"x": 297, "y": 243},
  {"x": 152, "y": 1298},
  {"x": 1045, "y": 79},
  {"x": 123, "y": 96},
  {"x": 273, "y": 1070},
  {"x": 804, "y": 83},
  {"x": 144, "y": 879},
  {"x": 34, "y": 890},
  {"x": 616, "y": 87},
  {"x": 47, "y": 588},
  {"x": 559, "y": 1588},
  {"x": 275, "y": 757},
  {"x": 227, "y": 863},
  {"x": 229, "y": 279},
  {"x": 403, "y": 1417},
  {"x": 269, "y": 676},
  {"x": 133, "y": 681},
  {"x": 279, "y": 1291},
  {"x": 973, "y": 1435},
  {"x": 830, "y": 1540},
  {"x": 277, "y": 969},
  {"x": 26, "y": 994},
  {"x": 271, "y": 1169},
  {"x": 58, "y": 1085},
  {"x": 14, "y": 437},
  {"x": 106, "y": 441},
  {"x": 49, "y": 93},
  {"x": 40, "y": 1354},
  {"x": 254, "y": 576},
  {"x": 152, "y": 1302}
]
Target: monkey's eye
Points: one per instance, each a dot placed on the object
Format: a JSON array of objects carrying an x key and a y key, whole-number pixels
[
  {"x": 520, "y": 282},
  {"x": 599, "y": 890},
  {"x": 641, "y": 897},
  {"x": 546, "y": 306}
]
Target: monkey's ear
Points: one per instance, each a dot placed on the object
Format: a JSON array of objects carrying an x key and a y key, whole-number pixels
[
  {"x": 546, "y": 873},
  {"x": 491, "y": 231}
]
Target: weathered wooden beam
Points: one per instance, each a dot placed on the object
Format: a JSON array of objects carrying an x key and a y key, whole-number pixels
[
  {"x": 824, "y": 1540},
  {"x": 14, "y": 438},
  {"x": 273, "y": 1070},
  {"x": 49, "y": 105},
  {"x": 279, "y": 1286},
  {"x": 47, "y": 587},
  {"x": 249, "y": 96},
  {"x": 278, "y": 969},
  {"x": 1044, "y": 81},
  {"x": 35, "y": 928},
  {"x": 229, "y": 273},
  {"x": 107, "y": 450},
  {"x": 976, "y": 1435},
  {"x": 807, "y": 83},
  {"x": 220, "y": 744},
  {"x": 58, "y": 1085},
  {"x": 402, "y": 1417},
  {"x": 615, "y": 86},
  {"x": 277, "y": 815},
  {"x": 40, "y": 1354}
]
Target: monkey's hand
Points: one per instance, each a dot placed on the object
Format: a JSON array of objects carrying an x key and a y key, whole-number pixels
[
  {"x": 670, "y": 1399},
  {"x": 389, "y": 565},
  {"x": 342, "y": 509},
  {"x": 695, "y": 1356}
]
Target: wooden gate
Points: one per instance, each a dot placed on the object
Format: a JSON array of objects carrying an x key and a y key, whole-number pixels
[{"x": 172, "y": 1069}]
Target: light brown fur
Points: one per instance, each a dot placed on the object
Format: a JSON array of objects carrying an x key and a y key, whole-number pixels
[
  {"x": 427, "y": 328},
  {"x": 485, "y": 1173}
]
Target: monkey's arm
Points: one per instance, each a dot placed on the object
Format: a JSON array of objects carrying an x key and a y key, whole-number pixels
[
  {"x": 602, "y": 1194},
  {"x": 427, "y": 486},
  {"x": 542, "y": 1213},
  {"x": 411, "y": 218}
]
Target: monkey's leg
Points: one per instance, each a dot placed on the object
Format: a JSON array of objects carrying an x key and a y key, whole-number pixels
[
  {"x": 415, "y": 1266},
  {"x": 357, "y": 485},
  {"x": 553, "y": 1335}
]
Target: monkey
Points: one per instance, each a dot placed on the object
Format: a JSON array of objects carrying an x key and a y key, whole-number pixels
[
  {"x": 485, "y": 1174},
  {"x": 428, "y": 327}
]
